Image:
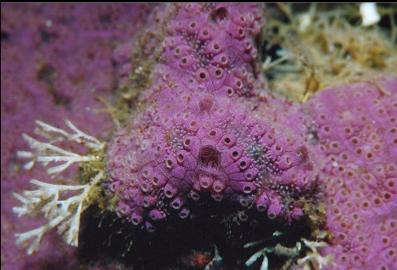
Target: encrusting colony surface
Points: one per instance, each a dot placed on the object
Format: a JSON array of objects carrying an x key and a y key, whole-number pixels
[
  {"x": 356, "y": 129},
  {"x": 199, "y": 135},
  {"x": 207, "y": 128},
  {"x": 208, "y": 131}
]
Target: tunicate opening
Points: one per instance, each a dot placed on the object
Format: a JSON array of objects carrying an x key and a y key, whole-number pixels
[
  {"x": 212, "y": 133},
  {"x": 261, "y": 208},
  {"x": 235, "y": 154},
  {"x": 155, "y": 180},
  {"x": 219, "y": 14},
  {"x": 209, "y": 156},
  {"x": 242, "y": 216},
  {"x": 184, "y": 213},
  {"x": 342, "y": 236},
  {"x": 202, "y": 75},
  {"x": 386, "y": 195},
  {"x": 390, "y": 183},
  {"x": 218, "y": 73},
  {"x": 146, "y": 202},
  {"x": 145, "y": 173},
  {"x": 168, "y": 163},
  {"x": 217, "y": 187},
  {"x": 243, "y": 165},
  {"x": 244, "y": 202},
  {"x": 169, "y": 191},
  {"x": 205, "y": 183},
  {"x": 150, "y": 227},
  {"x": 195, "y": 196},
  {"x": 239, "y": 84},
  {"x": 247, "y": 189},
  {"x": 136, "y": 220},
  {"x": 176, "y": 204},
  {"x": 186, "y": 142},
  {"x": 180, "y": 158},
  {"x": 271, "y": 215},
  {"x": 365, "y": 204},
  {"x": 217, "y": 197},
  {"x": 145, "y": 187}
]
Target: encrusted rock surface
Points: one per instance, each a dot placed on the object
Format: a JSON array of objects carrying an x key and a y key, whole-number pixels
[
  {"x": 205, "y": 129},
  {"x": 355, "y": 130},
  {"x": 55, "y": 61}
]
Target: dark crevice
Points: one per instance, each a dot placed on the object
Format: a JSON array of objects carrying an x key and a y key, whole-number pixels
[
  {"x": 47, "y": 74},
  {"x": 171, "y": 246},
  {"x": 218, "y": 15},
  {"x": 47, "y": 36},
  {"x": 5, "y": 36}
]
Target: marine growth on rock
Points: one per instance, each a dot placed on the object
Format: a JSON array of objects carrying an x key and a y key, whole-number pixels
[{"x": 208, "y": 131}]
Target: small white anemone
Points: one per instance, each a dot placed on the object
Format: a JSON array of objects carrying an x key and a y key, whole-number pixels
[
  {"x": 314, "y": 257},
  {"x": 46, "y": 199},
  {"x": 369, "y": 14}
]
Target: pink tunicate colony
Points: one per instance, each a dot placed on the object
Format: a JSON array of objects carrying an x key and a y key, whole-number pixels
[
  {"x": 207, "y": 128},
  {"x": 357, "y": 130},
  {"x": 199, "y": 135},
  {"x": 168, "y": 160}
]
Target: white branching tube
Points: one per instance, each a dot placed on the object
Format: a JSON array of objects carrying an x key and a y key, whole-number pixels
[
  {"x": 314, "y": 257},
  {"x": 256, "y": 256},
  {"x": 63, "y": 214},
  {"x": 37, "y": 235},
  {"x": 46, "y": 152},
  {"x": 78, "y": 135}
]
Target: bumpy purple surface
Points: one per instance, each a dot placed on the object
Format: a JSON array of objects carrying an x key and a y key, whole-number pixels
[
  {"x": 206, "y": 135},
  {"x": 356, "y": 129},
  {"x": 52, "y": 73},
  {"x": 206, "y": 127},
  {"x": 199, "y": 134}
]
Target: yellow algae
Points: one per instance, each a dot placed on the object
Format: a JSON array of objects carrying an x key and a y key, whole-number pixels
[{"x": 325, "y": 45}]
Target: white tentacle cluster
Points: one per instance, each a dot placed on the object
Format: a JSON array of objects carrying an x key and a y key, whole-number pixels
[
  {"x": 63, "y": 214},
  {"x": 314, "y": 257},
  {"x": 47, "y": 152}
]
